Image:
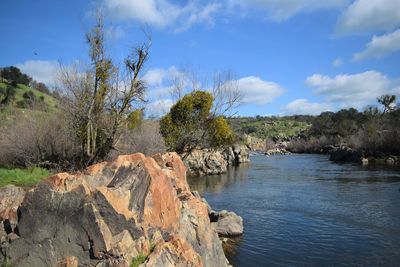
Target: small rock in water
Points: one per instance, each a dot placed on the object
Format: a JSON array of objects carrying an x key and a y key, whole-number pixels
[{"x": 227, "y": 223}]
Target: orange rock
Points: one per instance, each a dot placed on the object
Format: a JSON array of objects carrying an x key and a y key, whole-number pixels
[
  {"x": 68, "y": 262},
  {"x": 176, "y": 252},
  {"x": 112, "y": 212},
  {"x": 162, "y": 206}
]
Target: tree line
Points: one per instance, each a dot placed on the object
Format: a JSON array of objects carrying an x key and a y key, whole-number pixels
[{"x": 374, "y": 130}]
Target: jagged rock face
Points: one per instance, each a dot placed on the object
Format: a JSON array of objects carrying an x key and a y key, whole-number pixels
[
  {"x": 113, "y": 212},
  {"x": 208, "y": 161}
]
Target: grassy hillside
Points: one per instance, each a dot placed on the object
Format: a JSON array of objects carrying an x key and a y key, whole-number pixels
[
  {"x": 267, "y": 127},
  {"x": 49, "y": 101}
]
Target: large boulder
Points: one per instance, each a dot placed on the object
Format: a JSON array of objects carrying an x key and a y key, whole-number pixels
[{"x": 113, "y": 213}]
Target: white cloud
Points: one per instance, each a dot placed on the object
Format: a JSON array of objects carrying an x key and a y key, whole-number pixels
[
  {"x": 40, "y": 70},
  {"x": 163, "y": 13},
  {"x": 154, "y": 76},
  {"x": 257, "y": 91},
  {"x": 370, "y": 16},
  {"x": 337, "y": 62},
  {"x": 280, "y": 10},
  {"x": 158, "y": 108},
  {"x": 380, "y": 46},
  {"x": 159, "y": 76},
  {"x": 114, "y": 32},
  {"x": 303, "y": 107},
  {"x": 351, "y": 90},
  {"x": 253, "y": 89}
]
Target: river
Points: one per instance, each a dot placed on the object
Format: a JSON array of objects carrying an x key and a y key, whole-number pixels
[{"x": 303, "y": 210}]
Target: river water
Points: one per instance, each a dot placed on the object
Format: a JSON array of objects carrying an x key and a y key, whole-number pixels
[{"x": 303, "y": 210}]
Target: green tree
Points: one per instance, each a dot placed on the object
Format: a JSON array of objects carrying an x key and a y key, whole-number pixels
[
  {"x": 15, "y": 76},
  {"x": 190, "y": 124}
]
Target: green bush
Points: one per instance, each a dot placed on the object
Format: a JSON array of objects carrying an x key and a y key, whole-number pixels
[{"x": 190, "y": 124}]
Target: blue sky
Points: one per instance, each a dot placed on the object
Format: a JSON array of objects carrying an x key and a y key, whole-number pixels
[{"x": 287, "y": 56}]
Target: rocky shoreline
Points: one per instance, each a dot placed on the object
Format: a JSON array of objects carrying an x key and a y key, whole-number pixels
[
  {"x": 113, "y": 213},
  {"x": 215, "y": 161},
  {"x": 337, "y": 153}
]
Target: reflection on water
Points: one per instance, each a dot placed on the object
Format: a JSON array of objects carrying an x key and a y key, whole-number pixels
[
  {"x": 302, "y": 210},
  {"x": 216, "y": 183}
]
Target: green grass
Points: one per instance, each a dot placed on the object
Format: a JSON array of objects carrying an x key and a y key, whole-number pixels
[
  {"x": 138, "y": 260},
  {"x": 22, "y": 177}
]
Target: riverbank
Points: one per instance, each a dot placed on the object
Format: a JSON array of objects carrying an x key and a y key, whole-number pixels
[{"x": 337, "y": 153}]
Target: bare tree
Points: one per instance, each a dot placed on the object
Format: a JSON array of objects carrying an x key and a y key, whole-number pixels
[
  {"x": 37, "y": 138},
  {"x": 178, "y": 81},
  {"x": 223, "y": 87},
  {"x": 99, "y": 100},
  {"x": 145, "y": 138},
  {"x": 226, "y": 93}
]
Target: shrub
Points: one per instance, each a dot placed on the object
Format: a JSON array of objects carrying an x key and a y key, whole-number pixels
[
  {"x": 144, "y": 138},
  {"x": 222, "y": 133},
  {"x": 38, "y": 139},
  {"x": 190, "y": 124}
]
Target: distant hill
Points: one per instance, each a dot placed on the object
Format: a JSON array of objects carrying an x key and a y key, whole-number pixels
[{"x": 269, "y": 127}]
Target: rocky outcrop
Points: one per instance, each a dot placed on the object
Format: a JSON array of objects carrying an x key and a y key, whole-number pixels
[
  {"x": 209, "y": 161},
  {"x": 346, "y": 154},
  {"x": 254, "y": 143},
  {"x": 206, "y": 161},
  {"x": 112, "y": 213},
  {"x": 236, "y": 154}
]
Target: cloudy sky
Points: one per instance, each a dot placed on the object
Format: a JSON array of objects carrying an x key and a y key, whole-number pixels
[{"x": 287, "y": 56}]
